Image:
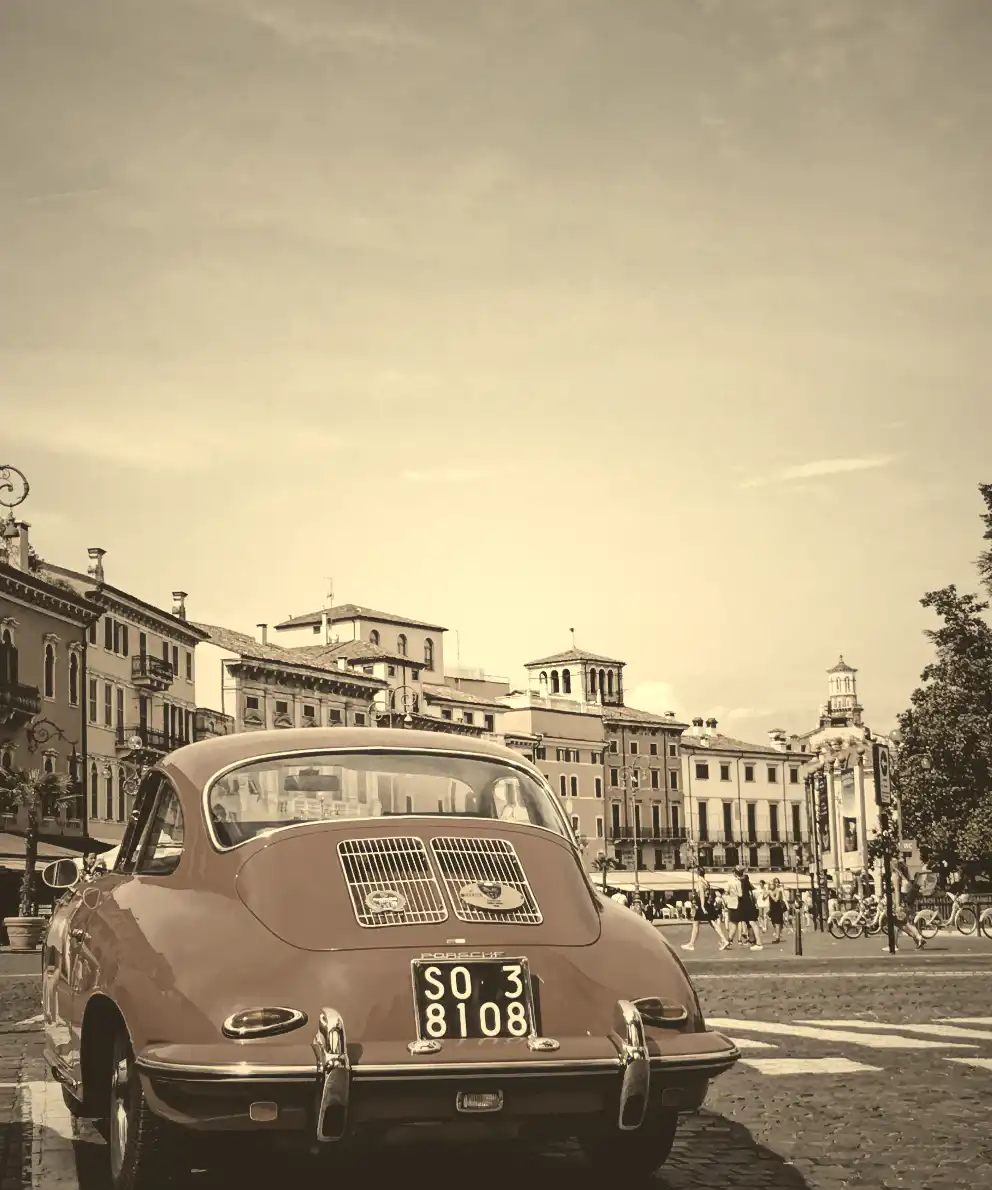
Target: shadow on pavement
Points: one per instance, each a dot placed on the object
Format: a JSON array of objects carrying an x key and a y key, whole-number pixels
[{"x": 710, "y": 1151}]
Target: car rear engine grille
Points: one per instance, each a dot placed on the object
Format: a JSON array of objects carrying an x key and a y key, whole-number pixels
[
  {"x": 376, "y": 868},
  {"x": 491, "y": 863}
]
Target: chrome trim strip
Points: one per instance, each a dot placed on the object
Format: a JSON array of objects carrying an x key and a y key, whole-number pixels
[
  {"x": 293, "y": 1020},
  {"x": 331, "y": 1047},
  {"x": 520, "y": 1069},
  {"x": 233, "y": 1070},
  {"x": 628, "y": 1033},
  {"x": 566, "y": 834}
]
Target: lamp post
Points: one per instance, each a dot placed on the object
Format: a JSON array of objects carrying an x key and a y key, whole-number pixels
[{"x": 407, "y": 697}]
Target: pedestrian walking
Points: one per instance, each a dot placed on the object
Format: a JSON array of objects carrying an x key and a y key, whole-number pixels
[
  {"x": 761, "y": 897},
  {"x": 732, "y": 899},
  {"x": 748, "y": 912},
  {"x": 704, "y": 910},
  {"x": 620, "y": 899},
  {"x": 909, "y": 893},
  {"x": 776, "y": 909}
]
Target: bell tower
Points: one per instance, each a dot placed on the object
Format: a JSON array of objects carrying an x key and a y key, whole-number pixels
[{"x": 842, "y": 708}]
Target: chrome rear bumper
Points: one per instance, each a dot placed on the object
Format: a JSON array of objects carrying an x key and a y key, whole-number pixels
[{"x": 627, "y": 1051}]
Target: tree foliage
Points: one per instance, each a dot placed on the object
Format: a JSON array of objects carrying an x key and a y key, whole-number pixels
[
  {"x": 943, "y": 771},
  {"x": 36, "y": 791}
]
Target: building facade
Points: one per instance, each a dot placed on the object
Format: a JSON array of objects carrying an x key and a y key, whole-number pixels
[
  {"x": 139, "y": 692},
  {"x": 43, "y": 668}
]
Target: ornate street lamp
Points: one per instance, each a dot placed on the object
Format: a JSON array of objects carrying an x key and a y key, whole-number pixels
[{"x": 14, "y": 487}]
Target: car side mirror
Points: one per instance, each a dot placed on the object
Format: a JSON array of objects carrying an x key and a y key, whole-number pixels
[{"x": 61, "y": 874}]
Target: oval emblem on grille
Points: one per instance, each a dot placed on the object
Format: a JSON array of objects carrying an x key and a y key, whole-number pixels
[
  {"x": 385, "y": 900},
  {"x": 489, "y": 895}
]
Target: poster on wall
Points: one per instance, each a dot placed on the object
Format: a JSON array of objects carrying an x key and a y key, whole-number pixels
[{"x": 850, "y": 835}]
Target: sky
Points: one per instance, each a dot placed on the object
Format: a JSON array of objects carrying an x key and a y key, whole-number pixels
[{"x": 662, "y": 320}]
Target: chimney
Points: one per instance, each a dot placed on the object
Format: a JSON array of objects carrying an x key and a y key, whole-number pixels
[
  {"x": 95, "y": 569},
  {"x": 711, "y": 724},
  {"x": 325, "y": 627},
  {"x": 697, "y": 727},
  {"x": 16, "y": 543},
  {"x": 179, "y": 604},
  {"x": 264, "y": 629}
]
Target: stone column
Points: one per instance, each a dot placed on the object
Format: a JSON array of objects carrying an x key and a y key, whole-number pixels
[{"x": 836, "y": 841}]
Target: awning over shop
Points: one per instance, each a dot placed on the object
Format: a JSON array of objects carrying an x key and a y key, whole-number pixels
[
  {"x": 680, "y": 881},
  {"x": 13, "y": 847}
]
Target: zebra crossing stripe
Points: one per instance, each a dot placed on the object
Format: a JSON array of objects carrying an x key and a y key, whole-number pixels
[
  {"x": 777, "y": 1066},
  {"x": 951, "y": 1031},
  {"x": 965, "y": 1020},
  {"x": 879, "y": 1041},
  {"x": 748, "y": 1043},
  {"x": 983, "y": 1063}
]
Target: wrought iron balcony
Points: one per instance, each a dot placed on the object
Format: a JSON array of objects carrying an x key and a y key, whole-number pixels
[
  {"x": 153, "y": 673},
  {"x": 18, "y": 703},
  {"x": 647, "y": 834},
  {"x": 149, "y": 739}
]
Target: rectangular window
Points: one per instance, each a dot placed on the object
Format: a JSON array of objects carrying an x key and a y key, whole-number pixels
[
  {"x": 702, "y": 770},
  {"x": 633, "y": 747},
  {"x": 599, "y": 828},
  {"x": 117, "y": 637},
  {"x": 599, "y": 786},
  {"x": 142, "y": 643},
  {"x": 724, "y": 772},
  {"x": 575, "y": 824},
  {"x": 108, "y": 634},
  {"x": 654, "y": 749},
  {"x": 309, "y": 712},
  {"x": 613, "y": 745},
  {"x": 490, "y": 722},
  {"x": 655, "y": 779},
  {"x": 797, "y": 833},
  {"x": 562, "y": 785},
  {"x": 773, "y": 774},
  {"x": 368, "y": 669},
  {"x": 468, "y": 717},
  {"x": 655, "y": 819},
  {"x": 559, "y": 754},
  {"x": 542, "y": 754},
  {"x": 189, "y": 666},
  {"x": 749, "y": 772},
  {"x": 390, "y": 671},
  {"x": 94, "y": 792},
  {"x": 615, "y": 817},
  {"x": 635, "y": 778},
  {"x": 124, "y": 640},
  {"x": 109, "y": 795},
  {"x": 415, "y": 674},
  {"x": 673, "y": 750},
  {"x": 282, "y": 708},
  {"x": 94, "y": 696},
  {"x": 446, "y": 713},
  {"x": 573, "y": 784},
  {"x": 675, "y": 821},
  {"x": 704, "y": 826},
  {"x": 673, "y": 779},
  {"x": 752, "y": 822},
  {"x": 728, "y": 820},
  {"x": 175, "y": 660},
  {"x": 637, "y": 819},
  {"x": 614, "y": 777},
  {"x": 91, "y": 633},
  {"x": 108, "y": 707},
  {"x": 793, "y": 776},
  {"x": 165, "y": 651},
  {"x": 120, "y": 709},
  {"x": 251, "y": 702},
  {"x": 334, "y": 715},
  {"x": 773, "y": 822},
  {"x": 359, "y": 719}
]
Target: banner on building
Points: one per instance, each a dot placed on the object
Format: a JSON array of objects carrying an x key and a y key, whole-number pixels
[
  {"x": 850, "y": 835},
  {"x": 823, "y": 810}
]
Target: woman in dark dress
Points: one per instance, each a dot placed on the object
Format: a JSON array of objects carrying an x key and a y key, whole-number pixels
[
  {"x": 776, "y": 909},
  {"x": 748, "y": 911}
]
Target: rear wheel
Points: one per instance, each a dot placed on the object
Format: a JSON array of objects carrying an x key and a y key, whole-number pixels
[
  {"x": 637, "y": 1154},
  {"x": 985, "y": 923},
  {"x": 836, "y": 928},
  {"x": 854, "y": 927},
  {"x": 967, "y": 919},
  {"x": 145, "y": 1150}
]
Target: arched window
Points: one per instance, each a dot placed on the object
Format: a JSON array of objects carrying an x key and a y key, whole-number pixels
[
  {"x": 602, "y": 681},
  {"x": 74, "y": 679},
  {"x": 109, "y": 794},
  {"x": 121, "y": 799},
  {"x": 49, "y": 671},
  {"x": 592, "y": 681},
  {"x": 49, "y": 763},
  {"x": 543, "y": 682},
  {"x": 401, "y": 644},
  {"x": 374, "y": 637},
  {"x": 554, "y": 682},
  {"x": 7, "y": 759},
  {"x": 566, "y": 682},
  {"x": 8, "y": 658},
  {"x": 562, "y": 785},
  {"x": 94, "y": 792},
  {"x": 609, "y": 682},
  {"x": 428, "y": 654}
]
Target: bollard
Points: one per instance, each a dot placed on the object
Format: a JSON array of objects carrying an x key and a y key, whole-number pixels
[{"x": 799, "y": 930}]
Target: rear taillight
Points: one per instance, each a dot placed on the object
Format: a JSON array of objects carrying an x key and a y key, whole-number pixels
[{"x": 263, "y": 1022}]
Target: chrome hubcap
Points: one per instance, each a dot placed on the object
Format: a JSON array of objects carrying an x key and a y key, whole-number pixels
[{"x": 118, "y": 1115}]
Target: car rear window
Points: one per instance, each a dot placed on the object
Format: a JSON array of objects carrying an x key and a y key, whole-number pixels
[{"x": 267, "y": 795}]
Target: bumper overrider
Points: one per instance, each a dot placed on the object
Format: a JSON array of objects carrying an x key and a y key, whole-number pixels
[{"x": 337, "y": 1087}]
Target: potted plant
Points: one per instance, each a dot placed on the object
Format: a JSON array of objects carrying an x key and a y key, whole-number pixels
[{"x": 35, "y": 791}]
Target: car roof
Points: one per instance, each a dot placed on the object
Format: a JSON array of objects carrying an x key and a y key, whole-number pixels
[{"x": 196, "y": 763}]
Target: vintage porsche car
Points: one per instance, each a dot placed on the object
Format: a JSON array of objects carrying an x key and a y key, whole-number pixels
[{"x": 339, "y": 936}]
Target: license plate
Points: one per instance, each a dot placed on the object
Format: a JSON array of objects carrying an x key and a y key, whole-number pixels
[{"x": 491, "y": 998}]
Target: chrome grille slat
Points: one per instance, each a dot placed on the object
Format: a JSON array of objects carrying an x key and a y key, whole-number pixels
[
  {"x": 399, "y": 864},
  {"x": 472, "y": 860}
]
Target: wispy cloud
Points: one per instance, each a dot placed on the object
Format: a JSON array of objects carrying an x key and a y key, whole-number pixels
[
  {"x": 658, "y": 697},
  {"x": 317, "y": 33},
  {"x": 818, "y": 469},
  {"x": 443, "y": 475}
]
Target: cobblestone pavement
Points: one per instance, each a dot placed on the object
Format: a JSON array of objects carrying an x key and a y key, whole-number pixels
[{"x": 868, "y": 1075}]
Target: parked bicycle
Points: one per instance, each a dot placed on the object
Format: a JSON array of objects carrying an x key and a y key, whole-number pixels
[
  {"x": 868, "y": 919},
  {"x": 985, "y": 923},
  {"x": 962, "y": 918}
]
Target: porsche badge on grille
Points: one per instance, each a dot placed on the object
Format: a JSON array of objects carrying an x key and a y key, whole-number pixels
[
  {"x": 489, "y": 895},
  {"x": 385, "y": 900}
]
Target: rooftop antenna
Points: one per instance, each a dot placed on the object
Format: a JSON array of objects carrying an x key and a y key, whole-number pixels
[
  {"x": 572, "y": 630},
  {"x": 329, "y": 601}
]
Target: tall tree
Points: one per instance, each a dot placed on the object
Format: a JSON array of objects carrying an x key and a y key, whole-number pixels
[{"x": 943, "y": 771}]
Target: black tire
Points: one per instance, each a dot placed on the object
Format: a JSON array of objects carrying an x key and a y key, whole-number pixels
[
  {"x": 145, "y": 1150},
  {"x": 928, "y": 924},
  {"x": 836, "y": 930},
  {"x": 854, "y": 929},
  {"x": 632, "y": 1155},
  {"x": 967, "y": 919},
  {"x": 985, "y": 924}
]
